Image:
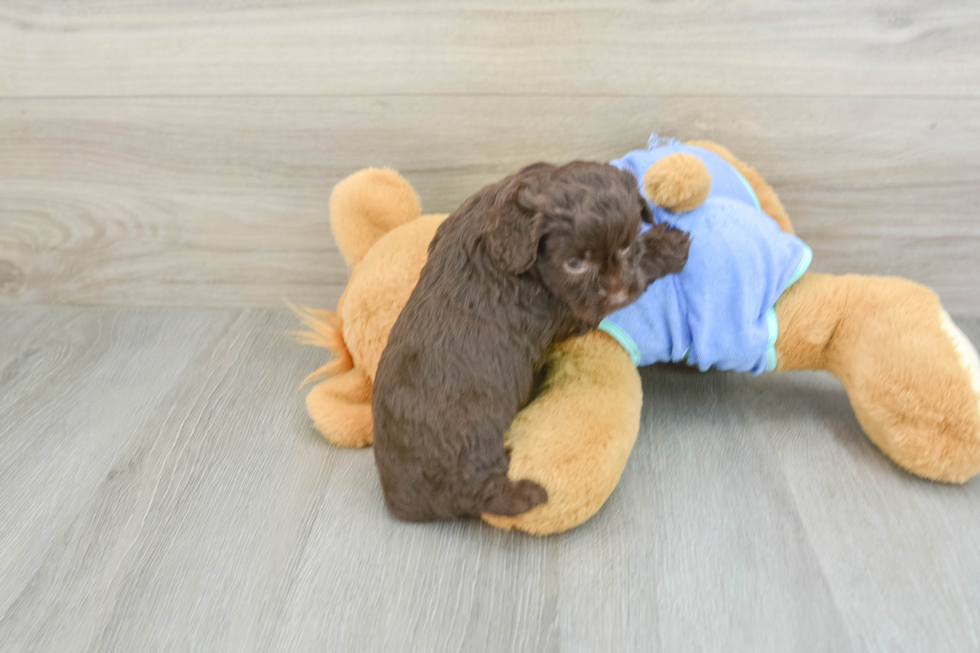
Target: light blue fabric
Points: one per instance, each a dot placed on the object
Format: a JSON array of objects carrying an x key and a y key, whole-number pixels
[{"x": 717, "y": 312}]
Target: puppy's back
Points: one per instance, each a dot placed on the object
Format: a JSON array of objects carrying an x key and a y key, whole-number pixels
[{"x": 457, "y": 368}]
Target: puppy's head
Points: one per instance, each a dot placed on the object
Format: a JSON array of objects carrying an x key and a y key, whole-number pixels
[{"x": 578, "y": 226}]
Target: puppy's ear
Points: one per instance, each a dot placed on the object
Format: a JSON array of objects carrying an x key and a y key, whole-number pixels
[
  {"x": 666, "y": 251},
  {"x": 515, "y": 223}
]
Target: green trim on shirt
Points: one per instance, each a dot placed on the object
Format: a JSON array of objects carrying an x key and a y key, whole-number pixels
[
  {"x": 772, "y": 322},
  {"x": 802, "y": 267},
  {"x": 622, "y": 338},
  {"x": 748, "y": 187}
]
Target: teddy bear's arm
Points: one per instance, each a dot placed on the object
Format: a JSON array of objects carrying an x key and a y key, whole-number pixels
[{"x": 575, "y": 436}]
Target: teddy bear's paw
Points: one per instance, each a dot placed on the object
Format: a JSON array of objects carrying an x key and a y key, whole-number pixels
[
  {"x": 937, "y": 434},
  {"x": 966, "y": 352},
  {"x": 678, "y": 182},
  {"x": 340, "y": 408}
]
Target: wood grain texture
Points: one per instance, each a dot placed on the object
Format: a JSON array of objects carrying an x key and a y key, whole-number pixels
[
  {"x": 161, "y": 489},
  {"x": 222, "y": 201},
  {"x": 179, "y": 152},
  {"x": 454, "y": 47}
]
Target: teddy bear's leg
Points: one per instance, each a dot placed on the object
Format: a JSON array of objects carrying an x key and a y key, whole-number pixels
[
  {"x": 912, "y": 377},
  {"x": 768, "y": 199},
  {"x": 577, "y": 434},
  {"x": 341, "y": 409}
]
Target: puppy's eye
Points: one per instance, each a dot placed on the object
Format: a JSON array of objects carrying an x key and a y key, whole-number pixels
[{"x": 575, "y": 266}]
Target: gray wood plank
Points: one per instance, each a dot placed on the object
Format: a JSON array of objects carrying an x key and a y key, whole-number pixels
[
  {"x": 73, "y": 395},
  {"x": 208, "y": 516},
  {"x": 82, "y": 565},
  {"x": 629, "y": 47},
  {"x": 700, "y": 547},
  {"x": 222, "y": 201},
  {"x": 889, "y": 544},
  {"x": 767, "y": 490},
  {"x": 225, "y": 523}
]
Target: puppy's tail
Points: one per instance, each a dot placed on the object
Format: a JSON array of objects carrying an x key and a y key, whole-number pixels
[
  {"x": 366, "y": 206},
  {"x": 324, "y": 330}
]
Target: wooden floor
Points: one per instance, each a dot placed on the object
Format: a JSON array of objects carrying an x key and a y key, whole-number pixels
[
  {"x": 165, "y": 167},
  {"x": 161, "y": 489}
]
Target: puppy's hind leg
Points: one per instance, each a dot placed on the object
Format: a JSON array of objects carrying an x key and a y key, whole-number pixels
[{"x": 501, "y": 496}]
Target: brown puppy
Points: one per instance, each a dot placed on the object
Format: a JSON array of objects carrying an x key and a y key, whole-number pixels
[{"x": 540, "y": 256}]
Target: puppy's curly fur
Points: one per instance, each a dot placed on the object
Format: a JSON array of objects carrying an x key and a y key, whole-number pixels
[{"x": 538, "y": 257}]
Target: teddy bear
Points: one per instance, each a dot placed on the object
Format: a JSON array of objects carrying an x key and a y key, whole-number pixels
[{"x": 912, "y": 376}]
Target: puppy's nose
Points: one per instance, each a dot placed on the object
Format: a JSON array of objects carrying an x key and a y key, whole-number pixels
[{"x": 618, "y": 299}]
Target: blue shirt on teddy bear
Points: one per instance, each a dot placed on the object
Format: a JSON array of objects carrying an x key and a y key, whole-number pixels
[{"x": 718, "y": 311}]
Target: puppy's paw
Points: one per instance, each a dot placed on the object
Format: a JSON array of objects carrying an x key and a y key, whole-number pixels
[
  {"x": 515, "y": 498},
  {"x": 529, "y": 495},
  {"x": 666, "y": 251}
]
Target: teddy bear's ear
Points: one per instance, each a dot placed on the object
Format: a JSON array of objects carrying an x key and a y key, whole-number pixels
[
  {"x": 514, "y": 224},
  {"x": 366, "y": 206}
]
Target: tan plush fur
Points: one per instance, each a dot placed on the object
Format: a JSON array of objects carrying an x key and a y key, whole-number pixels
[
  {"x": 884, "y": 338},
  {"x": 378, "y": 288},
  {"x": 905, "y": 369},
  {"x": 594, "y": 374},
  {"x": 380, "y": 285},
  {"x": 341, "y": 409},
  {"x": 374, "y": 215},
  {"x": 380, "y": 198},
  {"x": 678, "y": 182}
]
